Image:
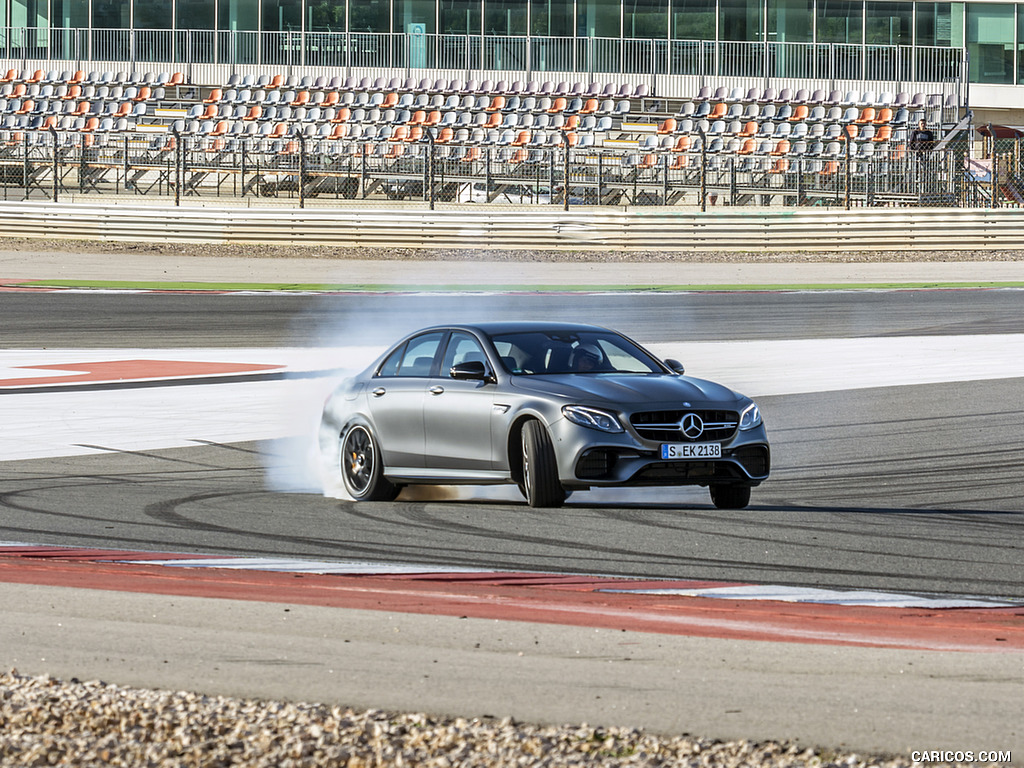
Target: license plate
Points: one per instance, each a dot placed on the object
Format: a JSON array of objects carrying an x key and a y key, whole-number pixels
[{"x": 691, "y": 451}]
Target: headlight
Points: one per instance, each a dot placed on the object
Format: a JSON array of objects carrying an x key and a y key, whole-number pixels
[
  {"x": 751, "y": 417},
  {"x": 592, "y": 417}
]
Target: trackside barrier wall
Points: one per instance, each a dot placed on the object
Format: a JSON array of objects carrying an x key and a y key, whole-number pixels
[{"x": 752, "y": 230}]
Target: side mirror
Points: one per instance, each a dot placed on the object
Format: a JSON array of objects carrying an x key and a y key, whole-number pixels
[
  {"x": 676, "y": 366},
  {"x": 471, "y": 370}
]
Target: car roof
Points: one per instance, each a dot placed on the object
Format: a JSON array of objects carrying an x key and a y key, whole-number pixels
[{"x": 501, "y": 327}]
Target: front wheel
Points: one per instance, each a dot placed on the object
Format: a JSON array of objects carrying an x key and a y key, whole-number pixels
[
  {"x": 540, "y": 483},
  {"x": 730, "y": 496},
  {"x": 361, "y": 468}
]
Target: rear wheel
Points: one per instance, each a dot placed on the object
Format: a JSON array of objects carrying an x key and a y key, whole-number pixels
[
  {"x": 730, "y": 496},
  {"x": 540, "y": 483},
  {"x": 361, "y": 467}
]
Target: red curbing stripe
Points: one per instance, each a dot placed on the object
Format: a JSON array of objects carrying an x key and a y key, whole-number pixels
[
  {"x": 91, "y": 555},
  {"x": 974, "y": 630}
]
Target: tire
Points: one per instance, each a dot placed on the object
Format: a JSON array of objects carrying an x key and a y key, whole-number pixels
[
  {"x": 540, "y": 483},
  {"x": 361, "y": 468},
  {"x": 730, "y": 496}
]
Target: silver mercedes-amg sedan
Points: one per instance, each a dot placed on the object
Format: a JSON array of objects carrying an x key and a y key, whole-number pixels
[{"x": 550, "y": 407}]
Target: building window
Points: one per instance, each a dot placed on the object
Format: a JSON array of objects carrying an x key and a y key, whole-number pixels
[
  {"x": 371, "y": 16},
  {"x": 505, "y": 17},
  {"x": 889, "y": 23},
  {"x": 598, "y": 18},
  {"x": 790, "y": 21},
  {"x": 111, "y": 14},
  {"x": 153, "y": 14},
  {"x": 326, "y": 16},
  {"x": 460, "y": 17},
  {"x": 70, "y": 13},
  {"x": 552, "y": 18},
  {"x": 840, "y": 21},
  {"x": 990, "y": 33},
  {"x": 415, "y": 16},
  {"x": 239, "y": 15},
  {"x": 647, "y": 19},
  {"x": 940, "y": 24},
  {"x": 694, "y": 20},
  {"x": 282, "y": 16},
  {"x": 741, "y": 20}
]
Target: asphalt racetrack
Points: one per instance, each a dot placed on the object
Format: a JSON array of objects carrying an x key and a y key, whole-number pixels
[{"x": 895, "y": 418}]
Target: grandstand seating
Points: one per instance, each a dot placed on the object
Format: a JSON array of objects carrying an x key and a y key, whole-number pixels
[{"x": 765, "y": 128}]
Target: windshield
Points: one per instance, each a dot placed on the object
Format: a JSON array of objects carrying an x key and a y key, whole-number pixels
[{"x": 558, "y": 352}]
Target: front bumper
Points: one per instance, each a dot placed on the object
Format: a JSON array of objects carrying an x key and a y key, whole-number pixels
[{"x": 588, "y": 458}]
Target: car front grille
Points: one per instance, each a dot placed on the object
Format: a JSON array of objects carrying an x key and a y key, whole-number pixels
[{"x": 665, "y": 426}]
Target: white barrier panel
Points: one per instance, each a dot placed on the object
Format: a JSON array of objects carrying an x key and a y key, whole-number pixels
[{"x": 893, "y": 229}]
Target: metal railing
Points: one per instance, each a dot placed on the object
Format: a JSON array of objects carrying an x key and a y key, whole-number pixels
[
  {"x": 50, "y": 164},
  {"x": 644, "y": 58}
]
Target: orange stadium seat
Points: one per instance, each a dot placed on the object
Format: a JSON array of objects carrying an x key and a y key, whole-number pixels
[
  {"x": 558, "y": 105},
  {"x": 867, "y": 115}
]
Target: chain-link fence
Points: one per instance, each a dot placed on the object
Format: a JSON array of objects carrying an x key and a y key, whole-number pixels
[{"x": 428, "y": 170}]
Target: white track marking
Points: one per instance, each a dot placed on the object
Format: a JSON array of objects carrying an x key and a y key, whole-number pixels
[{"x": 35, "y": 425}]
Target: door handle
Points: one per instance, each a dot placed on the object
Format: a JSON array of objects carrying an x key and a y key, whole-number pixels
[
  {"x": 379, "y": 391},
  {"x": 437, "y": 389}
]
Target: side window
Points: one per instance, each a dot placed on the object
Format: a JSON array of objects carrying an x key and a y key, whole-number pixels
[
  {"x": 462, "y": 348},
  {"x": 419, "y": 354},
  {"x": 390, "y": 366}
]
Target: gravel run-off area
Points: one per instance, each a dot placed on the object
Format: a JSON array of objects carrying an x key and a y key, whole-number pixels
[{"x": 44, "y": 721}]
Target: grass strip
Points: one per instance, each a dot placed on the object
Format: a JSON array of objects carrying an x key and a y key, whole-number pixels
[{"x": 130, "y": 285}]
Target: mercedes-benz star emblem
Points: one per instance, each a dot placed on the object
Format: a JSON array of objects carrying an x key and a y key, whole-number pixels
[{"x": 692, "y": 426}]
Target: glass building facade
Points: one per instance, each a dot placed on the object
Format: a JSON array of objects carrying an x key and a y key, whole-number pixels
[{"x": 774, "y": 37}]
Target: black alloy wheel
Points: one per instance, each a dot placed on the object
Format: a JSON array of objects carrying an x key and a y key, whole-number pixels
[{"x": 361, "y": 467}]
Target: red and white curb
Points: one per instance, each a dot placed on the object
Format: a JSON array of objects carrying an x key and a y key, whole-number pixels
[{"x": 693, "y": 608}]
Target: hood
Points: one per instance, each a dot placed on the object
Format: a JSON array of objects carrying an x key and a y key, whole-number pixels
[{"x": 618, "y": 389}]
